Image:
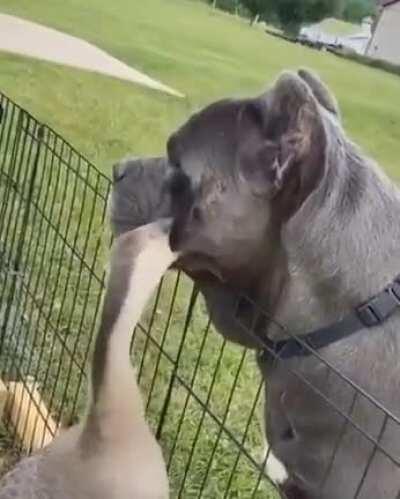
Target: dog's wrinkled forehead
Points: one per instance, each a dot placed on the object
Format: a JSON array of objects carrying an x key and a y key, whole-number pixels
[{"x": 209, "y": 136}]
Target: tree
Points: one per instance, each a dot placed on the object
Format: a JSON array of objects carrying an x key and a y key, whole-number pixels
[
  {"x": 292, "y": 14},
  {"x": 257, "y": 8},
  {"x": 356, "y": 10}
]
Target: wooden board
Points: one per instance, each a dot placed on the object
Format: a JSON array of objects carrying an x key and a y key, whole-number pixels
[{"x": 28, "y": 415}]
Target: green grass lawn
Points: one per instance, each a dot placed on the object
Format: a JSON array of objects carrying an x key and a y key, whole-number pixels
[{"x": 206, "y": 54}]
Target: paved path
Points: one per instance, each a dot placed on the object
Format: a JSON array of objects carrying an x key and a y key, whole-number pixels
[{"x": 34, "y": 40}]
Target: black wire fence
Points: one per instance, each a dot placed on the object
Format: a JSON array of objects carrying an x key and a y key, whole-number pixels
[{"x": 203, "y": 395}]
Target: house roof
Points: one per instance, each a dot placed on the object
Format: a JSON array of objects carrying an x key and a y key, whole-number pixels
[{"x": 387, "y": 3}]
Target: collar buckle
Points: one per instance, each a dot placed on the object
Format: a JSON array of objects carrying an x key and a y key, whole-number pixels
[{"x": 378, "y": 309}]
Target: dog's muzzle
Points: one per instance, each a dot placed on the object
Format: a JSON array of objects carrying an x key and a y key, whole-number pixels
[
  {"x": 119, "y": 171},
  {"x": 138, "y": 195}
]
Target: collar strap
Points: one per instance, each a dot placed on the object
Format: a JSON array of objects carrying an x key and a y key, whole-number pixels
[{"x": 372, "y": 313}]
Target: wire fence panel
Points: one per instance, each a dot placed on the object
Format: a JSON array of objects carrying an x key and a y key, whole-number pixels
[
  {"x": 52, "y": 212},
  {"x": 203, "y": 395}
]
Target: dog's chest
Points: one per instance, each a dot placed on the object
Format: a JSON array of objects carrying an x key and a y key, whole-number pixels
[{"x": 294, "y": 406}]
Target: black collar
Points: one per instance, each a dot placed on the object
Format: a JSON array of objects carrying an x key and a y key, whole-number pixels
[{"x": 372, "y": 313}]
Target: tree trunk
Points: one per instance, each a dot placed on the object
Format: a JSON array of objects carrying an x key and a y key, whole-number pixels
[
  {"x": 254, "y": 20},
  {"x": 214, "y": 4}
]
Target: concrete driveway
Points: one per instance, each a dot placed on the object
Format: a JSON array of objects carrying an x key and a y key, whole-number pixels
[{"x": 23, "y": 37}]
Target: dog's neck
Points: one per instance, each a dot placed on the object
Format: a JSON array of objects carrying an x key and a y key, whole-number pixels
[{"x": 343, "y": 244}]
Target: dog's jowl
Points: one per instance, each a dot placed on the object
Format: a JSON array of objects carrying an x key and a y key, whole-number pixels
[{"x": 272, "y": 200}]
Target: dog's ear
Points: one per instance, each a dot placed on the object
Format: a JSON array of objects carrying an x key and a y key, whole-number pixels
[
  {"x": 321, "y": 92},
  {"x": 282, "y": 140}
]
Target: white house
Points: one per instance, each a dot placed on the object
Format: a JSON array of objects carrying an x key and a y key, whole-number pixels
[
  {"x": 359, "y": 41},
  {"x": 385, "y": 41},
  {"x": 334, "y": 32}
]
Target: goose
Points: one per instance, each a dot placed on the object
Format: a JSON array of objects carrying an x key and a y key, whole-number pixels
[{"x": 112, "y": 454}]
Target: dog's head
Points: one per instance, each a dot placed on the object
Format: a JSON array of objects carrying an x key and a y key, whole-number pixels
[{"x": 233, "y": 173}]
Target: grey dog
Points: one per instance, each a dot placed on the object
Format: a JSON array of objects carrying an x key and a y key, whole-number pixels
[{"x": 271, "y": 200}]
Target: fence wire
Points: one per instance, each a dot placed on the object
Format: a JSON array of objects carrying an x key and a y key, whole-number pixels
[{"x": 203, "y": 395}]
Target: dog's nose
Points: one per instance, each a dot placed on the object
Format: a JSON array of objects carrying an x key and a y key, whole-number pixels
[{"x": 119, "y": 170}]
